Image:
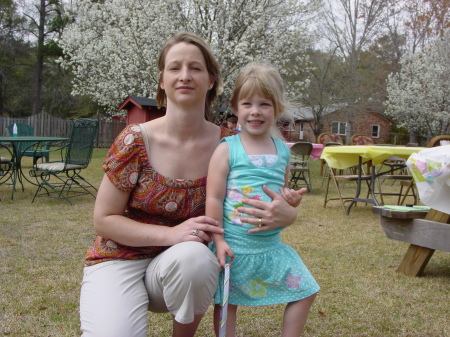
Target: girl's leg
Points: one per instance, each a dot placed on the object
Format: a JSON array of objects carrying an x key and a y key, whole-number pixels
[
  {"x": 113, "y": 300},
  {"x": 295, "y": 316},
  {"x": 231, "y": 320},
  {"x": 182, "y": 280}
]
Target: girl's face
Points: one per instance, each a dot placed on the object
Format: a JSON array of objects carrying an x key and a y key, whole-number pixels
[
  {"x": 185, "y": 78},
  {"x": 256, "y": 114}
]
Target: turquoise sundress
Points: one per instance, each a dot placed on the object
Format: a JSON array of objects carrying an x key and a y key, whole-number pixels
[{"x": 265, "y": 270}]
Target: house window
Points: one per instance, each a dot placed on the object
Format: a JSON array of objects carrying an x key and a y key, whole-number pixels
[
  {"x": 339, "y": 128},
  {"x": 375, "y": 131}
]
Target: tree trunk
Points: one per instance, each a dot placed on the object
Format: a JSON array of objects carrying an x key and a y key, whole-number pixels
[
  {"x": 412, "y": 137},
  {"x": 1, "y": 96},
  {"x": 37, "y": 99}
]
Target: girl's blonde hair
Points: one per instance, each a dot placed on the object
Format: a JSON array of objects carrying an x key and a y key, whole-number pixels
[
  {"x": 211, "y": 64},
  {"x": 265, "y": 80}
]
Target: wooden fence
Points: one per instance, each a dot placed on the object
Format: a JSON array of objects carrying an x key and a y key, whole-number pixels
[{"x": 47, "y": 125}]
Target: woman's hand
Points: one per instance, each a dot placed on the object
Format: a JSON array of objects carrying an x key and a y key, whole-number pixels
[
  {"x": 196, "y": 229},
  {"x": 268, "y": 215}
]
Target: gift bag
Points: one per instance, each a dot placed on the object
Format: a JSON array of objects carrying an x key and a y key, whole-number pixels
[{"x": 430, "y": 169}]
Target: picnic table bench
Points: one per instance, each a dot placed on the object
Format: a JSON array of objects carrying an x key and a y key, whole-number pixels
[{"x": 424, "y": 231}]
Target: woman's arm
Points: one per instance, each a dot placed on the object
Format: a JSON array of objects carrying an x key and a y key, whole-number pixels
[
  {"x": 274, "y": 214},
  {"x": 109, "y": 222},
  {"x": 292, "y": 196}
]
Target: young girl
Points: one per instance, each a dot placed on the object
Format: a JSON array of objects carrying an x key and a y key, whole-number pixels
[{"x": 264, "y": 270}]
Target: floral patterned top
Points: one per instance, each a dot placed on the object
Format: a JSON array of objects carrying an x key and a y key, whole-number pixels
[{"x": 154, "y": 199}]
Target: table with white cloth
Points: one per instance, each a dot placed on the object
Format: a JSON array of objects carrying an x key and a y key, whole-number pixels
[
  {"x": 425, "y": 230},
  {"x": 343, "y": 157}
]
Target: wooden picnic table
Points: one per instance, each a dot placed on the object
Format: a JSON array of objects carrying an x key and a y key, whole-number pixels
[{"x": 424, "y": 231}]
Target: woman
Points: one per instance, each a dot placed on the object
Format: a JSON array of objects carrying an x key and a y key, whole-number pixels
[{"x": 150, "y": 252}]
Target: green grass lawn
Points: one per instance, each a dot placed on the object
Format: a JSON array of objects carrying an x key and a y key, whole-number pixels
[{"x": 42, "y": 245}]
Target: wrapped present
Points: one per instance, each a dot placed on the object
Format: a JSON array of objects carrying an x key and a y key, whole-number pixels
[{"x": 430, "y": 169}]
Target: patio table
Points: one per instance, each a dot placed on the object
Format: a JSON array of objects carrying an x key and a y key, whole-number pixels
[
  {"x": 343, "y": 157},
  {"x": 17, "y": 157}
]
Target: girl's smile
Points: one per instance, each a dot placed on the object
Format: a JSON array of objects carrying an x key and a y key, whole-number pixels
[{"x": 256, "y": 114}]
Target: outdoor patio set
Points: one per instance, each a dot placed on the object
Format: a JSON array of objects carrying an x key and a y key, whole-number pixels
[{"x": 57, "y": 161}]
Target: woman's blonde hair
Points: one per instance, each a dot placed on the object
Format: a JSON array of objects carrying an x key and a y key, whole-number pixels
[
  {"x": 265, "y": 80},
  {"x": 211, "y": 64}
]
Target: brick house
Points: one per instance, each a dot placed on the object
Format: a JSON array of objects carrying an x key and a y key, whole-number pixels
[{"x": 366, "y": 121}]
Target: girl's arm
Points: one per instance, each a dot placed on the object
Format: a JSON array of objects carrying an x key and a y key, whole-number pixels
[
  {"x": 110, "y": 222},
  {"x": 215, "y": 196}
]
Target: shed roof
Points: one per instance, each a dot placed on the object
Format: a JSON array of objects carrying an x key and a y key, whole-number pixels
[{"x": 138, "y": 101}]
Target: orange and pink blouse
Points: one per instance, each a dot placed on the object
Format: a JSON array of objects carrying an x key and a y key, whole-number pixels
[{"x": 154, "y": 199}]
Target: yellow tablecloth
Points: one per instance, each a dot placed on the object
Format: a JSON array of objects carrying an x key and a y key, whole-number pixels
[{"x": 342, "y": 157}]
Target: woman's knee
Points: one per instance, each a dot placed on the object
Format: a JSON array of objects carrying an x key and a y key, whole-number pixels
[
  {"x": 197, "y": 262},
  {"x": 183, "y": 280}
]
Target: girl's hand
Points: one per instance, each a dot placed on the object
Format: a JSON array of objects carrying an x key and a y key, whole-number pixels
[
  {"x": 223, "y": 250},
  {"x": 274, "y": 214},
  {"x": 293, "y": 197},
  {"x": 196, "y": 229}
]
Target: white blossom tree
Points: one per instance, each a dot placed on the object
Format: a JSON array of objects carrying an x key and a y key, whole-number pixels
[
  {"x": 419, "y": 95},
  {"x": 112, "y": 46}
]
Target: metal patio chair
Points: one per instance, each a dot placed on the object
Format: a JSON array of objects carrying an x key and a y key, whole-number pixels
[
  {"x": 361, "y": 139},
  {"x": 62, "y": 179},
  {"x": 299, "y": 165},
  {"x": 436, "y": 141},
  {"x": 6, "y": 165},
  {"x": 398, "y": 172},
  {"x": 327, "y": 138}
]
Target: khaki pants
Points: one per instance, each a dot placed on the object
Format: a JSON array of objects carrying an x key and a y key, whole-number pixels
[{"x": 116, "y": 295}]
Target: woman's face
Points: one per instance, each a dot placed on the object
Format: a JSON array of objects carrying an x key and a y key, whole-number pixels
[{"x": 185, "y": 77}]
